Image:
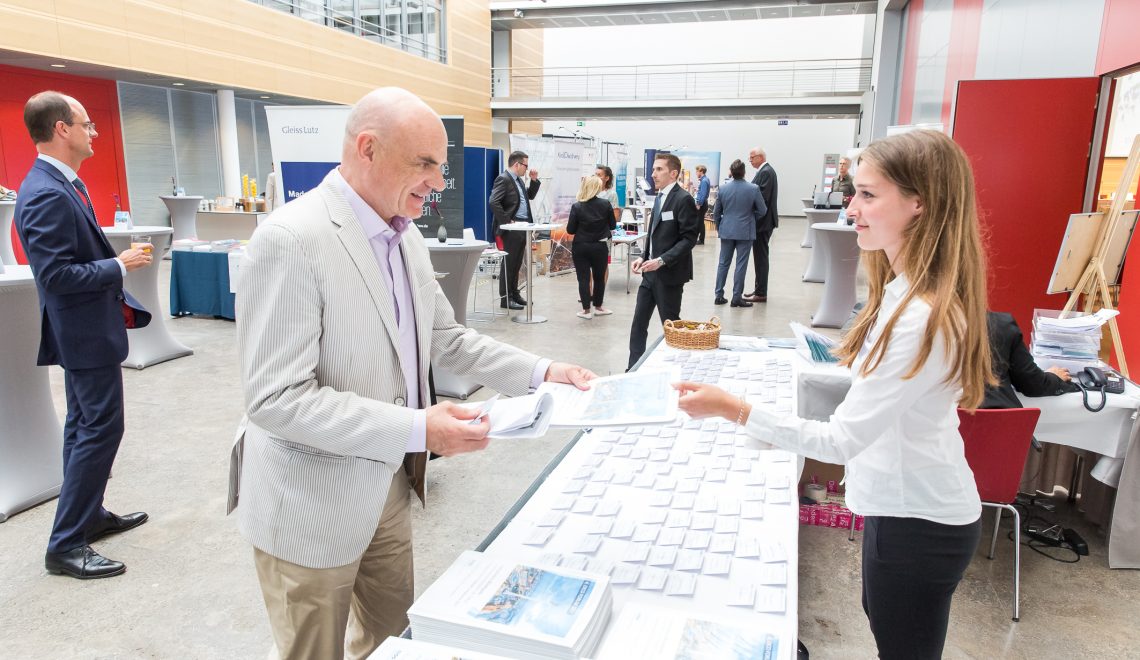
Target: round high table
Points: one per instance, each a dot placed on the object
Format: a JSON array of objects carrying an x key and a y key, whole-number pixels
[
  {"x": 31, "y": 440},
  {"x": 7, "y": 211},
  {"x": 530, "y": 316},
  {"x": 816, "y": 270},
  {"x": 183, "y": 214},
  {"x": 840, "y": 246},
  {"x": 154, "y": 343},
  {"x": 814, "y": 216},
  {"x": 458, "y": 259},
  {"x": 809, "y": 202}
]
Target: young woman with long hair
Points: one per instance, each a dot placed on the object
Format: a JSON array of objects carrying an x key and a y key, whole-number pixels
[{"x": 917, "y": 351}]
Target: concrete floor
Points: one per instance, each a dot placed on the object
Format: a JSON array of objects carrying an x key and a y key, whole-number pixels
[{"x": 190, "y": 589}]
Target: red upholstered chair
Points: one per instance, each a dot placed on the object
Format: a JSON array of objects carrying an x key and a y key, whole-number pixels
[{"x": 997, "y": 442}]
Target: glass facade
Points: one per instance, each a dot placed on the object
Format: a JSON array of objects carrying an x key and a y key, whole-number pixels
[{"x": 415, "y": 26}]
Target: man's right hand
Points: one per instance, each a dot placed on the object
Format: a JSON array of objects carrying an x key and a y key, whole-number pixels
[
  {"x": 450, "y": 431},
  {"x": 135, "y": 258}
]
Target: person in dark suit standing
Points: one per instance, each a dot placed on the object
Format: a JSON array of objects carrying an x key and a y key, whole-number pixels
[
  {"x": 766, "y": 179},
  {"x": 669, "y": 248},
  {"x": 739, "y": 206},
  {"x": 85, "y": 315},
  {"x": 510, "y": 202}
]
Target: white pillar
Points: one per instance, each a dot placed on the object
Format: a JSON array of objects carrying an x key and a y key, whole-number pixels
[{"x": 228, "y": 142}]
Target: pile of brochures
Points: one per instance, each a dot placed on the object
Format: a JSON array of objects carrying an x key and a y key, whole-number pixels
[
  {"x": 643, "y": 632},
  {"x": 399, "y": 648},
  {"x": 494, "y": 604},
  {"x": 1072, "y": 342}
]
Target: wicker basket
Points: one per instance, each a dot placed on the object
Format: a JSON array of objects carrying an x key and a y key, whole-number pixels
[{"x": 693, "y": 335}]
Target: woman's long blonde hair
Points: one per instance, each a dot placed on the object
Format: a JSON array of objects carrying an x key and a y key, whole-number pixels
[
  {"x": 941, "y": 256},
  {"x": 591, "y": 186}
]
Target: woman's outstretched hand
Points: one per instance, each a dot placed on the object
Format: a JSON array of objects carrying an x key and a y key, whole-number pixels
[{"x": 701, "y": 400}]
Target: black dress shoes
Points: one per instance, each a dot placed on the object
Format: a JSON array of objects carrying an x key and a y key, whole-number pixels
[
  {"x": 741, "y": 303},
  {"x": 82, "y": 563},
  {"x": 518, "y": 300},
  {"x": 116, "y": 524},
  {"x": 510, "y": 304},
  {"x": 720, "y": 300}
]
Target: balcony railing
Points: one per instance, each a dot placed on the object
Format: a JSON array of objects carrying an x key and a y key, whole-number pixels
[{"x": 740, "y": 80}]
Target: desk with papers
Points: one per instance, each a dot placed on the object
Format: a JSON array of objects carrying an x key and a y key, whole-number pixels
[{"x": 692, "y": 516}]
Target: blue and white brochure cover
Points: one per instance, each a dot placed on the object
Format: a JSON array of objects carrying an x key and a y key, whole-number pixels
[{"x": 536, "y": 600}]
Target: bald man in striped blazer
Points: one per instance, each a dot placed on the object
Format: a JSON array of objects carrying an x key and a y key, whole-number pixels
[{"x": 339, "y": 316}]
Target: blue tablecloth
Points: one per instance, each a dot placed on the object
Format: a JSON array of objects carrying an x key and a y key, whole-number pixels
[{"x": 200, "y": 284}]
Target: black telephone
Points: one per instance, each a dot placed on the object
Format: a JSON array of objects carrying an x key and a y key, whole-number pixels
[{"x": 1092, "y": 379}]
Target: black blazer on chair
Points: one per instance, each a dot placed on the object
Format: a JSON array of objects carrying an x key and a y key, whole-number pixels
[{"x": 673, "y": 240}]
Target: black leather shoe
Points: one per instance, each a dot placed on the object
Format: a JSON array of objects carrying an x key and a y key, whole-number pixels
[
  {"x": 82, "y": 563},
  {"x": 518, "y": 300},
  {"x": 741, "y": 303},
  {"x": 116, "y": 524},
  {"x": 511, "y": 305},
  {"x": 720, "y": 301}
]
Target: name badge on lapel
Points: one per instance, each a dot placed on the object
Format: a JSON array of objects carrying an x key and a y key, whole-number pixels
[{"x": 666, "y": 216}]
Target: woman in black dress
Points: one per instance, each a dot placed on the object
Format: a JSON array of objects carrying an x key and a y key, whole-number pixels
[{"x": 592, "y": 223}]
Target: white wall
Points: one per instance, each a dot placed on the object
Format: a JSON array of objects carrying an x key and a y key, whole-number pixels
[{"x": 795, "y": 151}]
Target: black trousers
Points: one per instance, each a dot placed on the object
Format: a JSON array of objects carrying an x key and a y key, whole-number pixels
[
  {"x": 760, "y": 262},
  {"x": 91, "y": 436},
  {"x": 911, "y": 568},
  {"x": 590, "y": 259},
  {"x": 702, "y": 210},
  {"x": 514, "y": 244},
  {"x": 652, "y": 294}
]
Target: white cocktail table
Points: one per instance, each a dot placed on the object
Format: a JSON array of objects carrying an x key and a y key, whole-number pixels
[
  {"x": 839, "y": 245},
  {"x": 529, "y": 228},
  {"x": 183, "y": 214},
  {"x": 7, "y": 212},
  {"x": 457, "y": 258}
]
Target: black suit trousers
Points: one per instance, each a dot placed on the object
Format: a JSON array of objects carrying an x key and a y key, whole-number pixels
[
  {"x": 91, "y": 436},
  {"x": 652, "y": 294},
  {"x": 760, "y": 261},
  {"x": 702, "y": 211},
  {"x": 514, "y": 244}
]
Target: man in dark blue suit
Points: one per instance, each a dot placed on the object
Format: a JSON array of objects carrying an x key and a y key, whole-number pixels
[{"x": 85, "y": 314}]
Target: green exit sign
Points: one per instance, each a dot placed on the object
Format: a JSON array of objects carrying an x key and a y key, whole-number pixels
[{"x": 581, "y": 123}]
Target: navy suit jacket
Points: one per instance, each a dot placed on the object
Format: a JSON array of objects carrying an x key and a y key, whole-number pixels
[
  {"x": 739, "y": 208},
  {"x": 80, "y": 284}
]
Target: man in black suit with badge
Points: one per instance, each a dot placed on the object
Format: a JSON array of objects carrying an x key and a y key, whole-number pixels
[
  {"x": 669, "y": 248},
  {"x": 510, "y": 202},
  {"x": 766, "y": 179}
]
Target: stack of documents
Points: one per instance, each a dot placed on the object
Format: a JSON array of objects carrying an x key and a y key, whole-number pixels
[
  {"x": 1072, "y": 342},
  {"x": 656, "y": 633},
  {"x": 398, "y": 648},
  {"x": 495, "y": 604},
  {"x": 813, "y": 346}
]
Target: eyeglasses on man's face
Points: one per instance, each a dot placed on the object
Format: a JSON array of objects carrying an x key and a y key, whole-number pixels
[{"x": 88, "y": 125}]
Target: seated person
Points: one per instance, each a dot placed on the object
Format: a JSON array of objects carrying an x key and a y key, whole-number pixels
[{"x": 1015, "y": 368}]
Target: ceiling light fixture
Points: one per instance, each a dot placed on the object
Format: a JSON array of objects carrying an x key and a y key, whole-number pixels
[
  {"x": 264, "y": 97},
  {"x": 179, "y": 84},
  {"x": 58, "y": 66}
]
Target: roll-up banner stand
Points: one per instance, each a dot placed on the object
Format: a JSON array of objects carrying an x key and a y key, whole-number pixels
[{"x": 306, "y": 142}]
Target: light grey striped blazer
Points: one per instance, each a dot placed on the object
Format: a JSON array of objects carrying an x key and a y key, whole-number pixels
[{"x": 326, "y": 424}]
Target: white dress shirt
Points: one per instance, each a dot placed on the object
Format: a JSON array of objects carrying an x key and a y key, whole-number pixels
[{"x": 898, "y": 437}]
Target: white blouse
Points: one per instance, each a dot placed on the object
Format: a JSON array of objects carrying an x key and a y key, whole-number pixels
[{"x": 898, "y": 438}]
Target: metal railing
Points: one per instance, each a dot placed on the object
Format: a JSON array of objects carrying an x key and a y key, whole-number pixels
[
  {"x": 317, "y": 11},
  {"x": 739, "y": 80}
]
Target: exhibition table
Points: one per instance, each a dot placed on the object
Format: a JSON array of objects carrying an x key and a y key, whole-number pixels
[
  {"x": 842, "y": 252},
  {"x": 529, "y": 228},
  {"x": 458, "y": 259},
  {"x": 154, "y": 343},
  {"x": 31, "y": 440},
  {"x": 705, "y": 477},
  {"x": 814, "y": 216},
  {"x": 7, "y": 212},
  {"x": 183, "y": 213},
  {"x": 225, "y": 225},
  {"x": 816, "y": 270},
  {"x": 628, "y": 240},
  {"x": 200, "y": 284},
  {"x": 1113, "y": 432}
]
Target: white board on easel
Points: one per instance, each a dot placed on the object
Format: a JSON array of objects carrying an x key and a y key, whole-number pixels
[{"x": 1079, "y": 243}]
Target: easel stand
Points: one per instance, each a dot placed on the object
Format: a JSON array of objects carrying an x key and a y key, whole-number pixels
[{"x": 1094, "y": 282}]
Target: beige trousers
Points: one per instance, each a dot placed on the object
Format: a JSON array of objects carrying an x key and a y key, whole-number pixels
[{"x": 349, "y": 610}]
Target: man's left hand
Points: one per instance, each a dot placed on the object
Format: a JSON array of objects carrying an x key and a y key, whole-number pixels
[
  {"x": 572, "y": 374},
  {"x": 534, "y": 174},
  {"x": 651, "y": 265}
]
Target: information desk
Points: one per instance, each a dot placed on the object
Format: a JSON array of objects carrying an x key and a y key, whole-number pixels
[
  {"x": 1113, "y": 432},
  {"x": 716, "y": 480},
  {"x": 154, "y": 343},
  {"x": 457, "y": 259},
  {"x": 7, "y": 254},
  {"x": 200, "y": 284},
  {"x": 31, "y": 440}
]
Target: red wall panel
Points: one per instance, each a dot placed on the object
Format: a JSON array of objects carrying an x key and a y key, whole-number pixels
[
  {"x": 1119, "y": 47},
  {"x": 104, "y": 173},
  {"x": 1028, "y": 143}
]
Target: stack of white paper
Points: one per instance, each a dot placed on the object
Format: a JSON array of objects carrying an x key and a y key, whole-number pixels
[
  {"x": 398, "y": 648},
  {"x": 1072, "y": 342},
  {"x": 496, "y": 604},
  {"x": 657, "y": 633}
]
